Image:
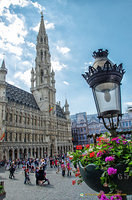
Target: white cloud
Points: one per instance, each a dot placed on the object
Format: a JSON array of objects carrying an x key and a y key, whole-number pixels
[
  {"x": 49, "y": 25},
  {"x": 65, "y": 82},
  {"x": 26, "y": 63},
  {"x": 31, "y": 44},
  {"x": 1, "y": 56},
  {"x": 36, "y": 28},
  {"x": 11, "y": 48},
  {"x": 4, "y": 4},
  {"x": 25, "y": 77},
  {"x": 128, "y": 103},
  {"x": 15, "y": 27},
  {"x": 63, "y": 50},
  {"x": 57, "y": 66},
  {"x": 12, "y": 33},
  {"x": 37, "y": 5},
  {"x": 11, "y": 82}
]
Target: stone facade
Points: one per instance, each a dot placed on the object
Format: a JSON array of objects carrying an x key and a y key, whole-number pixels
[
  {"x": 79, "y": 129},
  {"x": 33, "y": 123}
]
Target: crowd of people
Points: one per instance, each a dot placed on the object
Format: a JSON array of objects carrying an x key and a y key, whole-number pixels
[{"x": 61, "y": 163}]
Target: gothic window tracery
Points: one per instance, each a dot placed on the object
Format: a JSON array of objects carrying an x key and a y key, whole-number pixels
[
  {"x": 41, "y": 54},
  {"x": 7, "y": 116},
  {"x": 41, "y": 76},
  {"x": 41, "y": 39},
  {"x": 20, "y": 137},
  {"x": 45, "y": 40},
  {"x": 45, "y": 56},
  {"x": 10, "y": 136}
]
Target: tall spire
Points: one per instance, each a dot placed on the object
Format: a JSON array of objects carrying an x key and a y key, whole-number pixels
[
  {"x": 67, "y": 113},
  {"x": 42, "y": 81},
  {"x": 42, "y": 26},
  {"x": 3, "y": 65},
  {"x": 3, "y": 72}
]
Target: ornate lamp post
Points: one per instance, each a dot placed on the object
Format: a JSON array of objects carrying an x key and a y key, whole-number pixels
[{"x": 104, "y": 78}]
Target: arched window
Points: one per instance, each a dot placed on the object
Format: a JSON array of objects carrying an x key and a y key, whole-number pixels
[
  {"x": 41, "y": 76},
  {"x": 6, "y": 138},
  {"x": 45, "y": 40},
  {"x": 41, "y": 39},
  {"x": 16, "y": 137},
  {"x": 41, "y": 54},
  {"x": 11, "y": 137},
  {"x": 45, "y": 56},
  {"x": 7, "y": 116},
  {"x": 20, "y": 137}
]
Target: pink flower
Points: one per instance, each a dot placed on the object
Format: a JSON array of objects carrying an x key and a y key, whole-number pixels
[
  {"x": 113, "y": 139},
  {"x": 116, "y": 197},
  {"x": 102, "y": 196},
  {"x": 99, "y": 154},
  {"x": 124, "y": 142},
  {"x": 111, "y": 171},
  {"x": 109, "y": 158}
]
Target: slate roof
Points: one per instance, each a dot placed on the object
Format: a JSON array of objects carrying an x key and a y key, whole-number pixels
[{"x": 22, "y": 97}]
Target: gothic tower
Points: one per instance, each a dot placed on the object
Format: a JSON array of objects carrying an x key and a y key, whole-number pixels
[
  {"x": 3, "y": 100},
  {"x": 67, "y": 112},
  {"x": 42, "y": 78}
]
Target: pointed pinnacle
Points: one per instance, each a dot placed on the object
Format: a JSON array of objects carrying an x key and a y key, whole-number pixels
[{"x": 3, "y": 65}]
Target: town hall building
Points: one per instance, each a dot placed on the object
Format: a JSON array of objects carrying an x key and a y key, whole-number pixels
[{"x": 33, "y": 125}]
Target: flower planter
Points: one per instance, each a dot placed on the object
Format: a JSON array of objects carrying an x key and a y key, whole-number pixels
[
  {"x": 2, "y": 191},
  {"x": 91, "y": 177}
]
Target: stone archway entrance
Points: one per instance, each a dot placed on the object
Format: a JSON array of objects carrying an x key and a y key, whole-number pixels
[
  {"x": 29, "y": 153},
  {"x": 37, "y": 152},
  {"x": 25, "y": 153},
  {"x": 20, "y": 154},
  {"x": 33, "y": 152},
  {"x": 40, "y": 152},
  {"x": 15, "y": 154},
  {"x": 10, "y": 154},
  {"x": 51, "y": 150}
]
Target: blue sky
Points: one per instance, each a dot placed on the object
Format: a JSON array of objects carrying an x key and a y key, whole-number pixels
[{"x": 75, "y": 29}]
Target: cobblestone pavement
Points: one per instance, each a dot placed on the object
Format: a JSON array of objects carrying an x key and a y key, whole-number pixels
[{"x": 61, "y": 188}]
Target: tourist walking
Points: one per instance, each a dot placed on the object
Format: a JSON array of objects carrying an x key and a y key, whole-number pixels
[
  {"x": 68, "y": 168},
  {"x": 27, "y": 179},
  {"x": 63, "y": 169},
  {"x": 12, "y": 170}
]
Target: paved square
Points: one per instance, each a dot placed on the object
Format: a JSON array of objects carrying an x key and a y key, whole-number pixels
[{"x": 61, "y": 188}]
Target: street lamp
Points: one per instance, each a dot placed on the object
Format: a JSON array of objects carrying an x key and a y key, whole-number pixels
[{"x": 104, "y": 78}]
